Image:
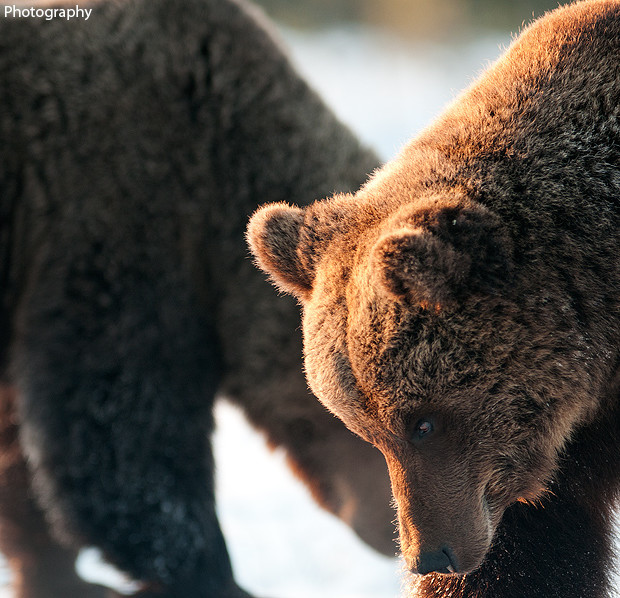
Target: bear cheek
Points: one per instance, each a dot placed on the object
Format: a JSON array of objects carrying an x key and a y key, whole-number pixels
[
  {"x": 444, "y": 520},
  {"x": 328, "y": 370}
]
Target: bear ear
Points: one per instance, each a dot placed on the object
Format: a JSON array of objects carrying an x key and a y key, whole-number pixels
[
  {"x": 273, "y": 235},
  {"x": 438, "y": 255}
]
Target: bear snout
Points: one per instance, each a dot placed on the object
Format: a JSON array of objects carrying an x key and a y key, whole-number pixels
[
  {"x": 455, "y": 544},
  {"x": 441, "y": 530},
  {"x": 447, "y": 559}
]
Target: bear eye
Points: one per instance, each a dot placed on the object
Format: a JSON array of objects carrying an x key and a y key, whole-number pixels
[{"x": 423, "y": 428}]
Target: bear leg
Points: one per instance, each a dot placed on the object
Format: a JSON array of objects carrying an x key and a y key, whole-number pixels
[
  {"x": 40, "y": 566},
  {"x": 116, "y": 377}
]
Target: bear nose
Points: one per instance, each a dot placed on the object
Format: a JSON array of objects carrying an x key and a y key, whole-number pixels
[{"x": 439, "y": 561}]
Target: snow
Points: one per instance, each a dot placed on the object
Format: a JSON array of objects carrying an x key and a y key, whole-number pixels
[{"x": 282, "y": 545}]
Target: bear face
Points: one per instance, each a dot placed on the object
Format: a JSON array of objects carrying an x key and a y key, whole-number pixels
[
  {"x": 406, "y": 329},
  {"x": 452, "y": 307}
]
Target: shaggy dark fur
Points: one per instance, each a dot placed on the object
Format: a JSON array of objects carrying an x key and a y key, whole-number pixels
[
  {"x": 134, "y": 146},
  {"x": 462, "y": 313}
]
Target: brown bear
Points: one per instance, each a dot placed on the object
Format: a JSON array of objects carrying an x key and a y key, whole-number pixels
[
  {"x": 461, "y": 312},
  {"x": 134, "y": 146}
]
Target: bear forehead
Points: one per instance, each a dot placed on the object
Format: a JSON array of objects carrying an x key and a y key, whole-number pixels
[
  {"x": 384, "y": 359},
  {"x": 413, "y": 359}
]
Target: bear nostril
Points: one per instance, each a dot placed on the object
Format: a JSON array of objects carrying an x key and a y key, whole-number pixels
[
  {"x": 439, "y": 561},
  {"x": 452, "y": 567}
]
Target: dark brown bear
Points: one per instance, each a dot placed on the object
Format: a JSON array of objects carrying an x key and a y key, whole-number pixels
[
  {"x": 462, "y": 313},
  {"x": 133, "y": 148}
]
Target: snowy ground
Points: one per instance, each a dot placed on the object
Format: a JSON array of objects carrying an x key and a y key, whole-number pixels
[{"x": 281, "y": 544}]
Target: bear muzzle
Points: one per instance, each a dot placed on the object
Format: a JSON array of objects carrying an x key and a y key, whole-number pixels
[
  {"x": 445, "y": 523},
  {"x": 429, "y": 549}
]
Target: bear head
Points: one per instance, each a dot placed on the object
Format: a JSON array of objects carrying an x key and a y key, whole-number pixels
[{"x": 415, "y": 335}]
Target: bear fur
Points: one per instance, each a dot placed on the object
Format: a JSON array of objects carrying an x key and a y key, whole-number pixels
[
  {"x": 135, "y": 145},
  {"x": 461, "y": 312}
]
